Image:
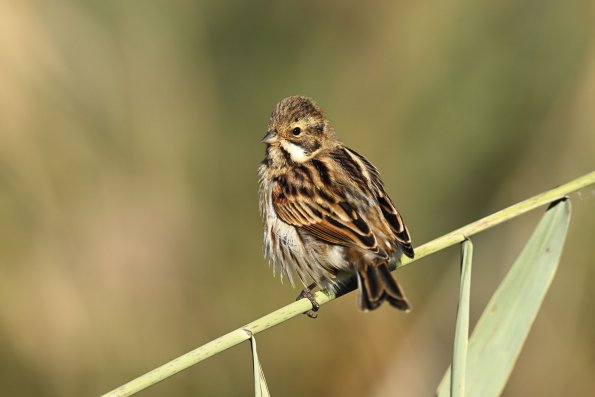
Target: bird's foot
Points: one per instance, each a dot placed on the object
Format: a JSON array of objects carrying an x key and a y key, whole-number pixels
[{"x": 307, "y": 293}]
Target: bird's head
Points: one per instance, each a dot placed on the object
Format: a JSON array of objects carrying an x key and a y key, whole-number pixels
[{"x": 297, "y": 130}]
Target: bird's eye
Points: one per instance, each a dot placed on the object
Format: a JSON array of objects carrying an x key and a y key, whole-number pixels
[{"x": 296, "y": 131}]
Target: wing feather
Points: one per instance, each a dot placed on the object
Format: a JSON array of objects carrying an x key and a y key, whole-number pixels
[
  {"x": 389, "y": 212},
  {"x": 312, "y": 197},
  {"x": 331, "y": 219}
]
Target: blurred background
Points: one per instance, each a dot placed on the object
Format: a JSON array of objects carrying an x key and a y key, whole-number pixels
[{"x": 129, "y": 225}]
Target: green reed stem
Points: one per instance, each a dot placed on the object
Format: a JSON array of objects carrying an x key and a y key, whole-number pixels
[
  {"x": 296, "y": 308},
  {"x": 459, "y": 355}
]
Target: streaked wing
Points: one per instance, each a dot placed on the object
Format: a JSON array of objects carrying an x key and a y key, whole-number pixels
[
  {"x": 329, "y": 218},
  {"x": 390, "y": 213},
  {"x": 396, "y": 224}
]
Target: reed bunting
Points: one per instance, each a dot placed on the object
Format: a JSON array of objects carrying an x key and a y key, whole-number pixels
[{"x": 326, "y": 216}]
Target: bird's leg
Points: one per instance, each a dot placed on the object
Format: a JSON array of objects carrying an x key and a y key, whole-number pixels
[{"x": 307, "y": 293}]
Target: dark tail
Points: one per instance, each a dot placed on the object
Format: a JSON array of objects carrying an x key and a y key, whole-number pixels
[{"x": 376, "y": 285}]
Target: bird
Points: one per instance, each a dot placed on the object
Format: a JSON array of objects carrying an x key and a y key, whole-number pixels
[{"x": 326, "y": 216}]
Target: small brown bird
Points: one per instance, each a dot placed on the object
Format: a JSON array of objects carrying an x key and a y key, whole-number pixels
[{"x": 326, "y": 215}]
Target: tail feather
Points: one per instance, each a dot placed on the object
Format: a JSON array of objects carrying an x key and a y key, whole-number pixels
[
  {"x": 376, "y": 285},
  {"x": 372, "y": 284}
]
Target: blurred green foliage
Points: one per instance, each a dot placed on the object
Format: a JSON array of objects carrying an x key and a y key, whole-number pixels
[{"x": 129, "y": 140}]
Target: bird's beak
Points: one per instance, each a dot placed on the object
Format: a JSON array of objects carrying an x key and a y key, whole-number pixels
[{"x": 270, "y": 137}]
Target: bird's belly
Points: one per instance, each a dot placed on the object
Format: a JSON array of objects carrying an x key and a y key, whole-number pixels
[{"x": 293, "y": 252}]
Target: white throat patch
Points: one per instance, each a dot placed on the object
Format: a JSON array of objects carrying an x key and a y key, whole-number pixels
[{"x": 296, "y": 152}]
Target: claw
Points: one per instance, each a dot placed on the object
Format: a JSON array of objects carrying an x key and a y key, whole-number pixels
[{"x": 307, "y": 293}]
